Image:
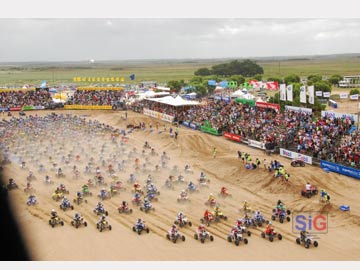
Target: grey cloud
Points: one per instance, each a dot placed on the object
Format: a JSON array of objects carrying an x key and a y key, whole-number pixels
[{"x": 118, "y": 39}]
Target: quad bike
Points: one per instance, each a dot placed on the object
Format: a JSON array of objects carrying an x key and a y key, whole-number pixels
[
  {"x": 79, "y": 200},
  {"x": 86, "y": 193},
  {"x": 211, "y": 203},
  {"x": 147, "y": 208},
  {"x": 100, "y": 211},
  {"x": 203, "y": 236},
  {"x": 125, "y": 210},
  {"x": 244, "y": 229},
  {"x": 57, "y": 196},
  {"x": 78, "y": 222},
  {"x": 29, "y": 190},
  {"x": 152, "y": 197},
  {"x": 66, "y": 206},
  {"x": 136, "y": 201},
  {"x": 12, "y": 186},
  {"x": 249, "y": 222},
  {"x": 55, "y": 221},
  {"x": 260, "y": 220},
  {"x": 272, "y": 235},
  {"x": 30, "y": 178},
  {"x": 105, "y": 196},
  {"x": 225, "y": 195},
  {"x": 207, "y": 220},
  {"x": 174, "y": 237},
  {"x": 139, "y": 229},
  {"x": 32, "y": 201},
  {"x": 183, "y": 222},
  {"x": 297, "y": 163},
  {"x": 218, "y": 215},
  {"x": 307, "y": 241},
  {"x": 309, "y": 193},
  {"x": 237, "y": 238},
  {"x": 183, "y": 199},
  {"x": 281, "y": 215},
  {"x": 103, "y": 225}
]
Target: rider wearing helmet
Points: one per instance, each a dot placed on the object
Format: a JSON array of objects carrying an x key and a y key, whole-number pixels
[
  {"x": 207, "y": 214},
  {"x": 269, "y": 229},
  {"x": 211, "y": 198},
  {"x": 53, "y": 214},
  {"x": 173, "y": 230},
  {"x": 201, "y": 229},
  {"x": 183, "y": 194},
  {"x": 77, "y": 217}
]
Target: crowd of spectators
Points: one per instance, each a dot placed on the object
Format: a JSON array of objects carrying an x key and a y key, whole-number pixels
[
  {"x": 95, "y": 97},
  {"x": 12, "y": 99},
  {"x": 322, "y": 138}
]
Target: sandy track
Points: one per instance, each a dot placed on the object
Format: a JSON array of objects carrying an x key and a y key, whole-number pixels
[{"x": 194, "y": 148}]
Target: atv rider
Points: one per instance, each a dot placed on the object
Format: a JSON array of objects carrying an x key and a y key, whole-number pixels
[
  {"x": 59, "y": 172},
  {"x": 103, "y": 193},
  {"x": 65, "y": 202},
  {"x": 183, "y": 195},
  {"x": 137, "y": 187},
  {"x": 77, "y": 217},
  {"x": 173, "y": 231},
  {"x": 308, "y": 187},
  {"x": 202, "y": 177},
  {"x": 53, "y": 214},
  {"x": 85, "y": 189},
  {"x": 102, "y": 220},
  {"x": 246, "y": 205},
  {"x": 31, "y": 199},
  {"x": 240, "y": 223},
  {"x": 324, "y": 195},
  {"x": 147, "y": 204},
  {"x": 99, "y": 207},
  {"x": 201, "y": 229},
  {"x": 132, "y": 178},
  {"x": 12, "y": 183},
  {"x": 258, "y": 216},
  {"x": 79, "y": 196},
  {"x": 180, "y": 217},
  {"x": 124, "y": 205},
  {"x": 191, "y": 186},
  {"x": 47, "y": 179},
  {"x": 217, "y": 211},
  {"x": 208, "y": 215},
  {"x": 140, "y": 224},
  {"x": 211, "y": 198},
  {"x": 269, "y": 228},
  {"x": 137, "y": 196},
  {"x": 304, "y": 235},
  {"x": 224, "y": 191}
]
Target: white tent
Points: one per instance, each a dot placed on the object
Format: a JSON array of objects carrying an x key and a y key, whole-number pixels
[
  {"x": 178, "y": 101},
  {"x": 238, "y": 93}
]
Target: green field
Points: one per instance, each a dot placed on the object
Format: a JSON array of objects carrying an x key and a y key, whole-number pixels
[{"x": 163, "y": 71}]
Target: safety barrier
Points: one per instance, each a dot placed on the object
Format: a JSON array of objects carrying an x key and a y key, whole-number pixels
[
  {"x": 88, "y": 107},
  {"x": 333, "y": 167}
]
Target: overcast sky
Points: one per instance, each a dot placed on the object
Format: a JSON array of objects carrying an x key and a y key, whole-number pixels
[{"x": 120, "y": 39}]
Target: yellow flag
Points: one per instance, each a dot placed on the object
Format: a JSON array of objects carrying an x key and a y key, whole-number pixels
[
  {"x": 98, "y": 79},
  {"x": 107, "y": 79},
  {"x": 122, "y": 79},
  {"x": 74, "y": 79},
  {"x": 84, "y": 79},
  {"x": 117, "y": 79},
  {"x": 103, "y": 79},
  {"x": 112, "y": 79}
]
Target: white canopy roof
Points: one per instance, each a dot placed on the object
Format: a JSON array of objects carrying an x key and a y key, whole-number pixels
[
  {"x": 238, "y": 93},
  {"x": 178, "y": 101}
]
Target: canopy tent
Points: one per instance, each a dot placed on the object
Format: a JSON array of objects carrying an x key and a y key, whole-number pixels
[
  {"x": 190, "y": 95},
  {"x": 176, "y": 102},
  {"x": 162, "y": 88},
  {"x": 238, "y": 93}
]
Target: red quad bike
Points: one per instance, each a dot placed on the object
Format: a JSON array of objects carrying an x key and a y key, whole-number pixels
[
  {"x": 309, "y": 193},
  {"x": 297, "y": 163},
  {"x": 124, "y": 209},
  {"x": 272, "y": 235},
  {"x": 207, "y": 220}
]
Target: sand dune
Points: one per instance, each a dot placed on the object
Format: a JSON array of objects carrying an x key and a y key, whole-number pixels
[{"x": 194, "y": 148}]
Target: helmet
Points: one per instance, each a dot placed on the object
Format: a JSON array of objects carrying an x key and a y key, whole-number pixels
[
  {"x": 53, "y": 211},
  {"x": 180, "y": 213},
  {"x": 78, "y": 193},
  {"x": 211, "y": 194},
  {"x": 174, "y": 226},
  {"x": 183, "y": 191},
  {"x": 201, "y": 226},
  {"x": 270, "y": 222},
  {"x": 77, "y": 214},
  {"x": 103, "y": 217},
  {"x": 139, "y": 220},
  {"x": 123, "y": 202}
]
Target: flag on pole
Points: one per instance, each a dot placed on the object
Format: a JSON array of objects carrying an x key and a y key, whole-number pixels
[
  {"x": 303, "y": 94},
  {"x": 282, "y": 92},
  {"x": 289, "y": 92},
  {"x": 311, "y": 94}
]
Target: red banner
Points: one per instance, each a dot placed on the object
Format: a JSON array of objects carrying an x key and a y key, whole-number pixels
[
  {"x": 272, "y": 85},
  {"x": 233, "y": 137},
  {"x": 268, "y": 105},
  {"x": 15, "y": 109}
]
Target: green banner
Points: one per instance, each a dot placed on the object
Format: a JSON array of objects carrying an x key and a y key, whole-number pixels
[
  {"x": 28, "y": 108},
  {"x": 210, "y": 130},
  {"x": 245, "y": 101}
]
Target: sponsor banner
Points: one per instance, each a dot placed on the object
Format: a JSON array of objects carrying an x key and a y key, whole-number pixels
[
  {"x": 28, "y": 108},
  {"x": 184, "y": 123},
  {"x": 194, "y": 126},
  {"x": 311, "y": 94},
  {"x": 297, "y": 109},
  {"x": 158, "y": 115},
  {"x": 3, "y": 109},
  {"x": 303, "y": 94},
  {"x": 332, "y": 114},
  {"x": 354, "y": 97},
  {"x": 333, "y": 167},
  {"x": 256, "y": 144},
  {"x": 295, "y": 155},
  {"x": 87, "y": 107},
  {"x": 232, "y": 136},
  {"x": 283, "y": 92},
  {"x": 39, "y": 108},
  {"x": 210, "y": 130},
  {"x": 15, "y": 109},
  {"x": 319, "y": 93},
  {"x": 344, "y": 95},
  {"x": 289, "y": 91},
  {"x": 326, "y": 94},
  {"x": 268, "y": 105}
]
